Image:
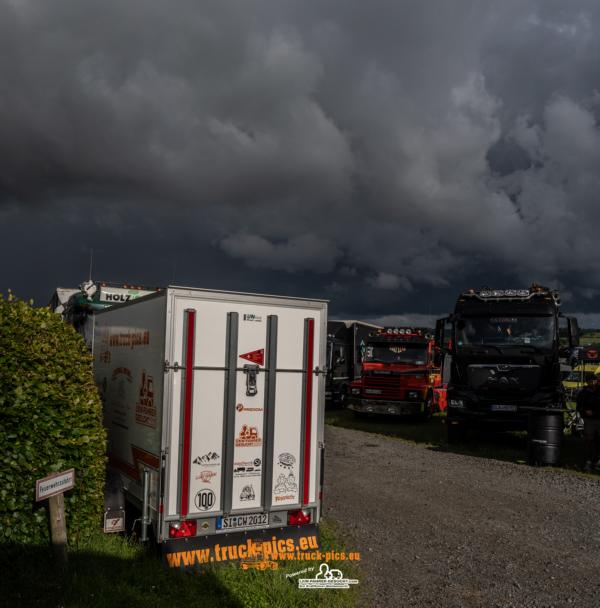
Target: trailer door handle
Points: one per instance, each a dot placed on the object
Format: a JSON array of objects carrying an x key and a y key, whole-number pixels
[{"x": 251, "y": 372}]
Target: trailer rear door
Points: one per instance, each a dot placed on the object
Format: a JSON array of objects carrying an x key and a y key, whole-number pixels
[{"x": 246, "y": 405}]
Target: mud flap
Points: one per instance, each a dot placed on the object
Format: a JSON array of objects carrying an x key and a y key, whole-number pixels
[
  {"x": 114, "y": 495},
  {"x": 256, "y": 549}
]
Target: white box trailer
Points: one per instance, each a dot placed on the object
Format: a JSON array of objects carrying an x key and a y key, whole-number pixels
[{"x": 216, "y": 399}]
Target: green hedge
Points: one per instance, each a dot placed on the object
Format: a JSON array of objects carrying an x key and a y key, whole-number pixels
[{"x": 50, "y": 420}]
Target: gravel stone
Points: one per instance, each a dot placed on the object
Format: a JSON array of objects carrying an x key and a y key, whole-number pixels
[{"x": 447, "y": 530}]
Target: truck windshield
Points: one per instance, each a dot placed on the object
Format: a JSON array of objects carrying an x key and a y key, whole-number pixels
[
  {"x": 505, "y": 331},
  {"x": 396, "y": 352}
]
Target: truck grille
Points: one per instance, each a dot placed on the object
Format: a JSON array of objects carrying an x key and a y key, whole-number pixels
[{"x": 387, "y": 387}]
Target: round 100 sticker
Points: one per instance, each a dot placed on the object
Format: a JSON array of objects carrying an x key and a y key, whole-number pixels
[{"x": 205, "y": 499}]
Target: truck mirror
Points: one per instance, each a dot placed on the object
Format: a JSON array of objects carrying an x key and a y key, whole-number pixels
[
  {"x": 437, "y": 358},
  {"x": 440, "y": 325}
]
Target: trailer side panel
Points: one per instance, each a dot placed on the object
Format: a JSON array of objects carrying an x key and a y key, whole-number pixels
[{"x": 128, "y": 352}]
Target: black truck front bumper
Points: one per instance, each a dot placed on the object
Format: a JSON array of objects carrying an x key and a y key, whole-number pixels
[{"x": 517, "y": 420}]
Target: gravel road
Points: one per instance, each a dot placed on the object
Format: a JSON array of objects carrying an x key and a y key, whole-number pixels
[{"x": 442, "y": 529}]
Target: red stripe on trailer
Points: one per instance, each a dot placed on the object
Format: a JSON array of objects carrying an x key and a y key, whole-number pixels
[
  {"x": 139, "y": 456},
  {"x": 187, "y": 411},
  {"x": 308, "y": 366}
]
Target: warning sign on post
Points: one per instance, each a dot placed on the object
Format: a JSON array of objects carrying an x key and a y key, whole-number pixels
[{"x": 54, "y": 484}]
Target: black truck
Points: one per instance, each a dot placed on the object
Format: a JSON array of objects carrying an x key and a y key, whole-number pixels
[
  {"x": 505, "y": 354},
  {"x": 346, "y": 342}
]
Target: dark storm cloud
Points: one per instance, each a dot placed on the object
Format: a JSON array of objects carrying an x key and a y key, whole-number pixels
[{"x": 377, "y": 152}]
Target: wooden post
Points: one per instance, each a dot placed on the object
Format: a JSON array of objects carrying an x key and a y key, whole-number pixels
[
  {"x": 51, "y": 488},
  {"x": 58, "y": 528}
]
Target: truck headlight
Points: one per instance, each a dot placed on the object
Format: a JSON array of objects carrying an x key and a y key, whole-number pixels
[
  {"x": 413, "y": 394},
  {"x": 355, "y": 391},
  {"x": 456, "y": 403}
]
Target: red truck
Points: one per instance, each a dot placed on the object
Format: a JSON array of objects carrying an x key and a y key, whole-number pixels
[{"x": 400, "y": 372}]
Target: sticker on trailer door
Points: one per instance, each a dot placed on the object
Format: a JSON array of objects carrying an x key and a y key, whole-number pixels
[
  {"x": 286, "y": 487},
  {"x": 205, "y": 500},
  {"x": 248, "y": 437},
  {"x": 205, "y": 469},
  {"x": 252, "y": 317},
  {"x": 247, "y": 468},
  {"x": 286, "y": 460},
  {"x": 208, "y": 459},
  {"x": 205, "y": 476},
  {"x": 240, "y": 407},
  {"x": 256, "y": 356},
  {"x": 247, "y": 493},
  {"x": 286, "y": 484}
]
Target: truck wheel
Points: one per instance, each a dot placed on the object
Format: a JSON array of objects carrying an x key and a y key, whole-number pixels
[{"x": 455, "y": 433}]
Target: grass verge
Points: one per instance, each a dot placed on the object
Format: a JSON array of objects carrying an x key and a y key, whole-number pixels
[
  {"x": 110, "y": 571},
  {"x": 432, "y": 434}
]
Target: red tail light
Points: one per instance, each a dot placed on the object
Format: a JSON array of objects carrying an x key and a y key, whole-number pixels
[
  {"x": 183, "y": 529},
  {"x": 298, "y": 518}
]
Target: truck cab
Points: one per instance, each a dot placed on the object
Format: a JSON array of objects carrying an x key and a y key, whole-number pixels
[
  {"x": 78, "y": 306},
  {"x": 400, "y": 371},
  {"x": 346, "y": 343},
  {"x": 505, "y": 358}
]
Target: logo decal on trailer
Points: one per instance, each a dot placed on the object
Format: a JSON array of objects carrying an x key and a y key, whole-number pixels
[
  {"x": 247, "y": 493},
  {"x": 209, "y": 459},
  {"x": 256, "y": 356},
  {"x": 286, "y": 484},
  {"x": 240, "y": 407},
  {"x": 248, "y": 437},
  {"x": 247, "y": 468},
  {"x": 286, "y": 460},
  {"x": 145, "y": 410},
  {"x": 205, "y": 499},
  {"x": 206, "y": 476}
]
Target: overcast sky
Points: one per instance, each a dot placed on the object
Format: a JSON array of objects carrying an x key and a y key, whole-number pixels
[{"x": 384, "y": 155}]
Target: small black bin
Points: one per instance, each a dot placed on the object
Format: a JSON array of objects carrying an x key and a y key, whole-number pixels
[{"x": 544, "y": 437}]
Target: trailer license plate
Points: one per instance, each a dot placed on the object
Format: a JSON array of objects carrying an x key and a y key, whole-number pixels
[
  {"x": 502, "y": 407},
  {"x": 251, "y": 520}
]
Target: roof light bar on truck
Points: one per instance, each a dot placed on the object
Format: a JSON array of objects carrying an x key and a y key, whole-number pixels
[{"x": 517, "y": 294}]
